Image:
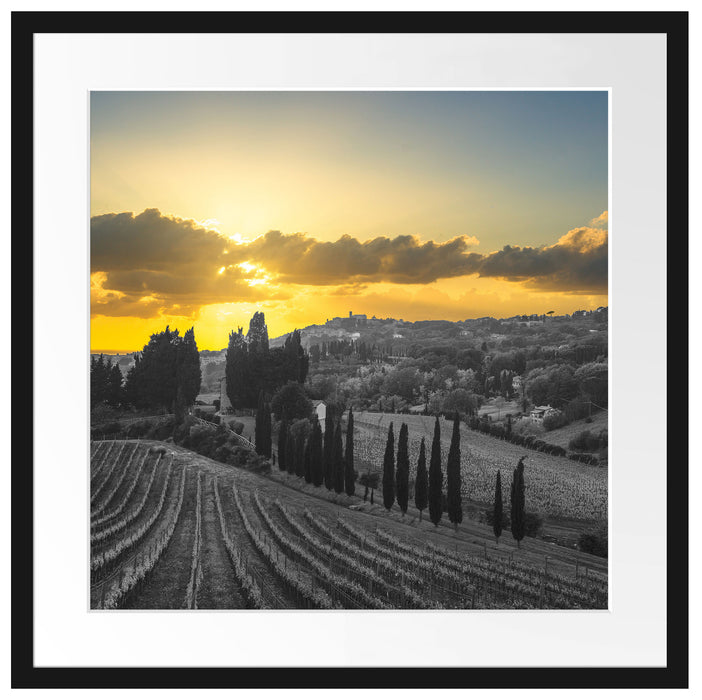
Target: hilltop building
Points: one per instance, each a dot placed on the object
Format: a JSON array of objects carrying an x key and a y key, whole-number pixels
[{"x": 538, "y": 413}]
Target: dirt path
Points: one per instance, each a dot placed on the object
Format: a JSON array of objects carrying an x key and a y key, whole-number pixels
[
  {"x": 219, "y": 588},
  {"x": 169, "y": 579}
]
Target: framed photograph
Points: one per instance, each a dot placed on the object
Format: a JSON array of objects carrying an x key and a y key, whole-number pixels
[{"x": 355, "y": 323}]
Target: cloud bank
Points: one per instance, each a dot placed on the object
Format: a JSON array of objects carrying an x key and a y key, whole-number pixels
[{"x": 152, "y": 263}]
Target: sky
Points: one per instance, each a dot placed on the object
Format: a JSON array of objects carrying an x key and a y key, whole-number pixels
[{"x": 209, "y": 206}]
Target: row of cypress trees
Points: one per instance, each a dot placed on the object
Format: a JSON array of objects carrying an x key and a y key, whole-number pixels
[
  {"x": 428, "y": 490},
  {"x": 319, "y": 460}
]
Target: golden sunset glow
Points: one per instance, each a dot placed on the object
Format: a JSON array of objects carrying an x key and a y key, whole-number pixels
[{"x": 207, "y": 207}]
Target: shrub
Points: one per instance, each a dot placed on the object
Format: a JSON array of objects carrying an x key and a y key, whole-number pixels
[
  {"x": 587, "y": 441},
  {"x": 584, "y": 458},
  {"x": 533, "y": 522},
  {"x": 594, "y": 542},
  {"x": 554, "y": 419},
  {"x": 526, "y": 426},
  {"x": 293, "y": 399}
]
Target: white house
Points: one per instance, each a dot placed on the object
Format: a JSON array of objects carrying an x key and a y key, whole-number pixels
[
  {"x": 320, "y": 408},
  {"x": 538, "y": 412}
]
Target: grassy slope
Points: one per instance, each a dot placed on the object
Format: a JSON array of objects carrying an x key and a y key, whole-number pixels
[
  {"x": 557, "y": 487},
  {"x": 562, "y": 436},
  {"x": 471, "y": 538}
]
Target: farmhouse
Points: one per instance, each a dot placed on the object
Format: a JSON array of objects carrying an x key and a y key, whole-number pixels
[
  {"x": 320, "y": 408},
  {"x": 538, "y": 412}
]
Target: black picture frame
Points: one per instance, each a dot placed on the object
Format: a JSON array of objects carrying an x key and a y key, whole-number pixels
[{"x": 26, "y": 24}]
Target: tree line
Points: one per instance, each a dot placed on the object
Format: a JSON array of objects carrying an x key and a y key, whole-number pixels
[
  {"x": 165, "y": 375},
  {"x": 428, "y": 490},
  {"x": 303, "y": 450},
  {"x": 252, "y": 367}
]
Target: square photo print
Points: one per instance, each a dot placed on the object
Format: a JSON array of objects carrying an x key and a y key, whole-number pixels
[{"x": 349, "y": 350}]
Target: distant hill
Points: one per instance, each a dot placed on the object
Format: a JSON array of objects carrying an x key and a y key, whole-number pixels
[{"x": 399, "y": 332}]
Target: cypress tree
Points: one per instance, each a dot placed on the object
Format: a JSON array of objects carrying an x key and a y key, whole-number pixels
[
  {"x": 188, "y": 372},
  {"x": 290, "y": 453},
  {"x": 300, "y": 454},
  {"x": 389, "y": 471},
  {"x": 453, "y": 476},
  {"x": 316, "y": 455},
  {"x": 436, "y": 478},
  {"x": 99, "y": 379},
  {"x": 267, "y": 428},
  {"x": 517, "y": 512},
  {"x": 402, "y": 473},
  {"x": 282, "y": 440},
  {"x": 258, "y": 429},
  {"x": 338, "y": 460},
  {"x": 114, "y": 390},
  {"x": 329, "y": 450},
  {"x": 421, "y": 486},
  {"x": 236, "y": 368},
  {"x": 349, "y": 473},
  {"x": 308, "y": 459},
  {"x": 263, "y": 439},
  {"x": 497, "y": 509}
]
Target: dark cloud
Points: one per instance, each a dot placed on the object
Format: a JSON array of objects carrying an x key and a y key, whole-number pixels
[
  {"x": 297, "y": 259},
  {"x": 577, "y": 264},
  {"x": 151, "y": 262},
  {"x": 151, "y": 241}
]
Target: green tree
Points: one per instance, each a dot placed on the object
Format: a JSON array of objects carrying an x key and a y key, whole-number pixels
[
  {"x": 300, "y": 454},
  {"x": 518, "y": 513},
  {"x": 421, "y": 485},
  {"x": 308, "y": 460},
  {"x": 453, "y": 476},
  {"x": 290, "y": 453},
  {"x": 236, "y": 369},
  {"x": 329, "y": 449},
  {"x": 252, "y": 366},
  {"x": 389, "y": 471},
  {"x": 188, "y": 374},
  {"x": 293, "y": 400},
  {"x": 263, "y": 428},
  {"x": 338, "y": 460},
  {"x": 166, "y": 374},
  {"x": 316, "y": 454},
  {"x": 349, "y": 472},
  {"x": 369, "y": 480},
  {"x": 497, "y": 509},
  {"x": 282, "y": 444},
  {"x": 114, "y": 386},
  {"x": 436, "y": 478},
  {"x": 297, "y": 362},
  {"x": 402, "y": 472},
  {"x": 99, "y": 380}
]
